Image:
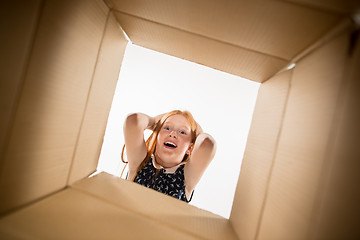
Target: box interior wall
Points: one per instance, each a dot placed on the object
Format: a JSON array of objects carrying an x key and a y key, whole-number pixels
[{"x": 59, "y": 66}]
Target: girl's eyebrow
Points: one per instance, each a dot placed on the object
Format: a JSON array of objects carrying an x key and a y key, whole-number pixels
[{"x": 181, "y": 126}]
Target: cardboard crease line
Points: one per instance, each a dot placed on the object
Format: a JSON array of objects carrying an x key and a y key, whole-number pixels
[
  {"x": 202, "y": 36},
  {"x": 87, "y": 100},
  {"x": 331, "y": 142},
  {"x": 136, "y": 212},
  {"x": 3, "y": 150},
  {"x": 257, "y": 231}
]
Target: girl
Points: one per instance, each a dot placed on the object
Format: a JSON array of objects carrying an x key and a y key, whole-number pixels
[{"x": 173, "y": 158}]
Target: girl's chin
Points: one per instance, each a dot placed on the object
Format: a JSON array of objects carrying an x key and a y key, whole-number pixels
[{"x": 168, "y": 161}]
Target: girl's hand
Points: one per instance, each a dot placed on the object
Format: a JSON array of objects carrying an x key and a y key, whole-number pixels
[
  {"x": 154, "y": 121},
  {"x": 158, "y": 118}
]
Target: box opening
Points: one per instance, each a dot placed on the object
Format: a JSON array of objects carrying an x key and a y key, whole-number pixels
[{"x": 154, "y": 83}]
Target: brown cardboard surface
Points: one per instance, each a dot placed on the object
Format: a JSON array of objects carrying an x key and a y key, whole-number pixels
[
  {"x": 99, "y": 101},
  {"x": 276, "y": 28},
  {"x": 337, "y": 210},
  {"x": 54, "y": 92},
  {"x": 158, "y": 207},
  {"x": 343, "y": 6},
  {"x": 213, "y": 53},
  {"x": 18, "y": 21},
  {"x": 299, "y": 179},
  {"x": 259, "y": 155},
  {"x": 304, "y": 142},
  {"x": 71, "y": 214}
]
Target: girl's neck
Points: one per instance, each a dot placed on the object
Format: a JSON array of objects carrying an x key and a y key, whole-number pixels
[{"x": 158, "y": 165}]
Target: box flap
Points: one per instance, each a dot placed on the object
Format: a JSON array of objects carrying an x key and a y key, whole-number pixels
[
  {"x": 199, "y": 49},
  {"x": 278, "y": 30},
  {"x": 157, "y": 206},
  {"x": 49, "y": 111},
  {"x": 99, "y": 101},
  {"x": 71, "y": 214}
]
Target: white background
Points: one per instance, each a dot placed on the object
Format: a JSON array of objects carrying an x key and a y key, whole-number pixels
[{"x": 154, "y": 83}]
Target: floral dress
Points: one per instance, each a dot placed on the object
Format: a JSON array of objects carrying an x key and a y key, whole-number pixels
[{"x": 172, "y": 184}]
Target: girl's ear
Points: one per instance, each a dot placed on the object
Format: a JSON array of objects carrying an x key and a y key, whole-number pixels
[{"x": 190, "y": 148}]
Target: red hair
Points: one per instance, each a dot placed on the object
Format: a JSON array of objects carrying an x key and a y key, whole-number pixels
[{"x": 151, "y": 141}]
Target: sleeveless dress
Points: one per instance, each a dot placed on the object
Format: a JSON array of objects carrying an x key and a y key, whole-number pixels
[{"x": 172, "y": 184}]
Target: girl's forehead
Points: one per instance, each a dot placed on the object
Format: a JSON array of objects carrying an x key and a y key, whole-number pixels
[{"x": 178, "y": 120}]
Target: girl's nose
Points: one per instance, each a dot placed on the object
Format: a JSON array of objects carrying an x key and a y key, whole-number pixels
[{"x": 173, "y": 134}]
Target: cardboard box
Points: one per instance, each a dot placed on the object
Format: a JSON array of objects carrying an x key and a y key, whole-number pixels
[
  {"x": 59, "y": 66},
  {"x": 107, "y": 207}
]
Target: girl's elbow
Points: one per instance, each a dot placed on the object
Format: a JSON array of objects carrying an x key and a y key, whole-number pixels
[
  {"x": 208, "y": 142},
  {"x": 132, "y": 117},
  {"x": 132, "y": 120}
]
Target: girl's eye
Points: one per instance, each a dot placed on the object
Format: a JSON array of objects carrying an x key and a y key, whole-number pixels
[
  {"x": 182, "y": 132},
  {"x": 167, "y": 128}
]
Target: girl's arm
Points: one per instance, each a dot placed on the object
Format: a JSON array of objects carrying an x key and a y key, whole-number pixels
[
  {"x": 201, "y": 156},
  {"x": 134, "y": 127}
]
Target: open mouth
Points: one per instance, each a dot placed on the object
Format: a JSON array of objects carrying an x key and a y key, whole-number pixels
[{"x": 170, "y": 144}]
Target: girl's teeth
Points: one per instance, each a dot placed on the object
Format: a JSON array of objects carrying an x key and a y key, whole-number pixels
[{"x": 170, "y": 144}]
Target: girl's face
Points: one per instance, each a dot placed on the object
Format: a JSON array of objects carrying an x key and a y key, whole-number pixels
[{"x": 173, "y": 141}]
